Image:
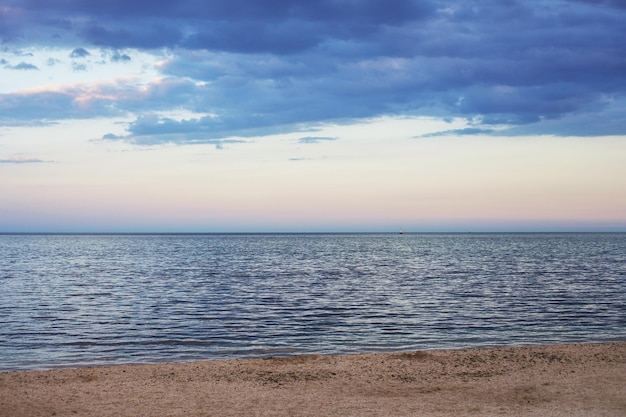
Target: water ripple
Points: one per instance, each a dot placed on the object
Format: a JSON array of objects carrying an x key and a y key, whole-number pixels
[{"x": 104, "y": 299}]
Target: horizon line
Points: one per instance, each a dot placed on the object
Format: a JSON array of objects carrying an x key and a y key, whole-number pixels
[{"x": 398, "y": 232}]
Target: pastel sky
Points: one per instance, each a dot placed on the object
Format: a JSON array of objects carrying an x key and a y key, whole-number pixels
[{"x": 312, "y": 115}]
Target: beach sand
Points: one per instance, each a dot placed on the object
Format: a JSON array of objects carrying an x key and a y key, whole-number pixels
[{"x": 560, "y": 380}]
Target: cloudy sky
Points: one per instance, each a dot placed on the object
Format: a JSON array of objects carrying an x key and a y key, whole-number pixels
[{"x": 312, "y": 115}]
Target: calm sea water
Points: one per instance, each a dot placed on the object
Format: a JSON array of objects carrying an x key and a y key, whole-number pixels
[{"x": 77, "y": 300}]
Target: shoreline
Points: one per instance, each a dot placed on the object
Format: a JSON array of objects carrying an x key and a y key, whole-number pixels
[
  {"x": 532, "y": 380},
  {"x": 295, "y": 353}
]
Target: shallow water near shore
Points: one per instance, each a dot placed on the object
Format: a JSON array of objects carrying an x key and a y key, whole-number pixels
[{"x": 78, "y": 300}]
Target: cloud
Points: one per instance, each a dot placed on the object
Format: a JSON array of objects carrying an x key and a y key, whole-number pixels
[
  {"x": 119, "y": 57},
  {"x": 23, "y": 66},
  {"x": 276, "y": 66},
  {"x": 209, "y": 129},
  {"x": 198, "y": 24},
  {"x": 468, "y": 131},
  {"x": 315, "y": 139},
  {"x": 150, "y": 35},
  {"x": 21, "y": 160},
  {"x": 162, "y": 138},
  {"x": 105, "y": 99},
  {"x": 65, "y": 102},
  {"x": 79, "y": 53},
  {"x": 111, "y": 136}
]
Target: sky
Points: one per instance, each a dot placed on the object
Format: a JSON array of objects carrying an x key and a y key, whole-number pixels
[{"x": 312, "y": 116}]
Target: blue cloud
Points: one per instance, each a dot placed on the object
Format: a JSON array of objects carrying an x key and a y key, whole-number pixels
[
  {"x": 468, "y": 131},
  {"x": 273, "y": 66},
  {"x": 315, "y": 139},
  {"x": 156, "y": 129},
  {"x": 23, "y": 66},
  {"x": 150, "y": 35},
  {"x": 42, "y": 108},
  {"x": 21, "y": 161},
  {"x": 111, "y": 136},
  {"x": 119, "y": 57},
  {"x": 79, "y": 53}
]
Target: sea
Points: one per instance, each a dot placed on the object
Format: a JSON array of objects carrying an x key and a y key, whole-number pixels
[{"x": 102, "y": 299}]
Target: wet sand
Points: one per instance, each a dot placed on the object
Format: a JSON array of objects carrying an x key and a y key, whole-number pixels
[{"x": 561, "y": 380}]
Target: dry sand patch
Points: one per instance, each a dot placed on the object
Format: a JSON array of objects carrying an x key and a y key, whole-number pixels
[{"x": 561, "y": 380}]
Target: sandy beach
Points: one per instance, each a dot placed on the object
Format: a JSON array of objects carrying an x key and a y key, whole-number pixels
[{"x": 560, "y": 380}]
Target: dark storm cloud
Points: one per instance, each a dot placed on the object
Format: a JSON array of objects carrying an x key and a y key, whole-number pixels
[
  {"x": 373, "y": 11},
  {"x": 230, "y": 25},
  {"x": 9, "y": 26},
  {"x": 269, "y": 66},
  {"x": 148, "y": 35}
]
